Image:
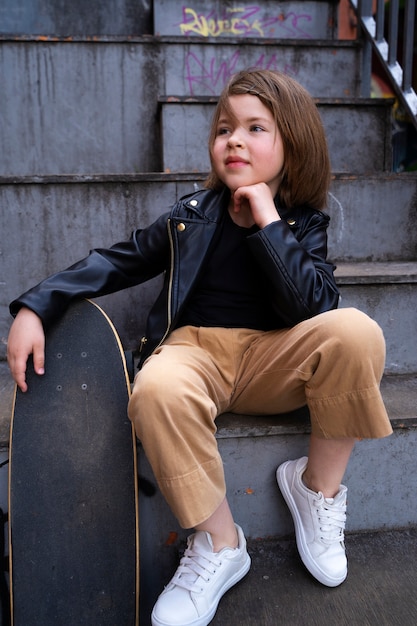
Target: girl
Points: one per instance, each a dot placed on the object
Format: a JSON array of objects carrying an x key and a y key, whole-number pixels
[{"x": 246, "y": 322}]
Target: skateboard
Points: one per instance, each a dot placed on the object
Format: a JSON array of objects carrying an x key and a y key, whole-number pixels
[{"x": 73, "y": 512}]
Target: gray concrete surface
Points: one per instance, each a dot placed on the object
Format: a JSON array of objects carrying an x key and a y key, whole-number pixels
[{"x": 380, "y": 589}]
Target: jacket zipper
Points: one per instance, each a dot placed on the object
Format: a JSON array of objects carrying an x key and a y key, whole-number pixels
[
  {"x": 144, "y": 340},
  {"x": 171, "y": 280}
]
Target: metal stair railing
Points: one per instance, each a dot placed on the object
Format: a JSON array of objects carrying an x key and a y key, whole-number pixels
[{"x": 371, "y": 20}]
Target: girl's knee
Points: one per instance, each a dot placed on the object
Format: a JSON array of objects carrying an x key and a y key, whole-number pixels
[
  {"x": 151, "y": 390},
  {"x": 357, "y": 338},
  {"x": 356, "y": 328},
  {"x": 164, "y": 394}
]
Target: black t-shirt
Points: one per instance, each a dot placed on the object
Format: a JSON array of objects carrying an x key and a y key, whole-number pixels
[{"x": 231, "y": 291}]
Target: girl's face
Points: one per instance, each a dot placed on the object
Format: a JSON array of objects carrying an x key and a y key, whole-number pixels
[{"x": 248, "y": 146}]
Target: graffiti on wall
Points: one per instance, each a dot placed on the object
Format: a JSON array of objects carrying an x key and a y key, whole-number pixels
[
  {"x": 243, "y": 21},
  {"x": 209, "y": 76}
]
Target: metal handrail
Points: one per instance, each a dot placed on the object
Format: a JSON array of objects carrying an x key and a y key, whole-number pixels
[{"x": 371, "y": 20}]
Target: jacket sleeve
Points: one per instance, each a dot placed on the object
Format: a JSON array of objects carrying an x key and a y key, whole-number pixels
[
  {"x": 294, "y": 260},
  {"x": 102, "y": 272}
]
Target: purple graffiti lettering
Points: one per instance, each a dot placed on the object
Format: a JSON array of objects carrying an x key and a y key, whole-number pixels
[
  {"x": 295, "y": 31},
  {"x": 210, "y": 77}
]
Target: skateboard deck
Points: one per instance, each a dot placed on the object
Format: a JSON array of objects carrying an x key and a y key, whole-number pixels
[{"x": 73, "y": 517}]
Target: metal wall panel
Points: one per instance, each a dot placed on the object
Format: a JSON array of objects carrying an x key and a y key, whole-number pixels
[
  {"x": 63, "y": 18},
  {"x": 373, "y": 218},
  {"x": 361, "y": 148},
  {"x": 392, "y": 307},
  {"x": 202, "y": 69},
  {"x": 303, "y": 19},
  {"x": 85, "y": 108},
  {"x": 45, "y": 227},
  {"x": 78, "y": 108},
  {"x": 48, "y": 227}
]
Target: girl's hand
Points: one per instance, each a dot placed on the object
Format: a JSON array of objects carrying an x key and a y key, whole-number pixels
[
  {"x": 254, "y": 204},
  {"x": 26, "y": 337}
]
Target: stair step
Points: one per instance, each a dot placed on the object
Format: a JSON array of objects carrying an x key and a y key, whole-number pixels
[
  {"x": 399, "y": 393},
  {"x": 387, "y": 292},
  {"x": 76, "y": 129},
  {"x": 364, "y": 149},
  {"x": 96, "y": 211},
  {"x": 94, "y": 19},
  {"x": 323, "y": 67},
  {"x": 376, "y": 273},
  {"x": 380, "y": 478},
  {"x": 251, "y": 448},
  {"x": 241, "y": 18},
  {"x": 373, "y": 218},
  {"x": 269, "y": 440}
]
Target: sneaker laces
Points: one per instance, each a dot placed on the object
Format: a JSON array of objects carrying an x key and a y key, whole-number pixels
[
  {"x": 331, "y": 513},
  {"x": 195, "y": 566}
]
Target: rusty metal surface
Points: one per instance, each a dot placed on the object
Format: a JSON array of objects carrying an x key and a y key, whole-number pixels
[{"x": 305, "y": 19}]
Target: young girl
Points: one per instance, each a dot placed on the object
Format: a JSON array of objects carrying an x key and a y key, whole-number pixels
[{"x": 246, "y": 322}]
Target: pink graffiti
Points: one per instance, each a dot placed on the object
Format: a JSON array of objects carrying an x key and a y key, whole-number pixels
[
  {"x": 209, "y": 78},
  {"x": 241, "y": 21}
]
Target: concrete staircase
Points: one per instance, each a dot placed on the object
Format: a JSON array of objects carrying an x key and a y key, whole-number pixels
[{"x": 107, "y": 127}]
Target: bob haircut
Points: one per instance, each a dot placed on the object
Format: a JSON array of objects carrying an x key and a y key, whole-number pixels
[{"x": 305, "y": 176}]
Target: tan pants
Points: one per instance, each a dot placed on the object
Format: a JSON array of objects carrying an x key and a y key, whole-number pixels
[{"x": 332, "y": 362}]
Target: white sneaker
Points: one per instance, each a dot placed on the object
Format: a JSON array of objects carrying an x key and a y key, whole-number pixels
[
  {"x": 203, "y": 576},
  {"x": 319, "y": 524}
]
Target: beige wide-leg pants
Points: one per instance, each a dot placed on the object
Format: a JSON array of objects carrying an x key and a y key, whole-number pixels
[{"x": 332, "y": 362}]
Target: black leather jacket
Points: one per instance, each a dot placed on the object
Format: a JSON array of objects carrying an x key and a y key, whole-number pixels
[{"x": 291, "y": 252}]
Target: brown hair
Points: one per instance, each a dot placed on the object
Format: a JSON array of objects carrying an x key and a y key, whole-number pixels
[{"x": 305, "y": 176}]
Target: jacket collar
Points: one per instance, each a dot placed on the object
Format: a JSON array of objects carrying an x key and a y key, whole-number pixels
[{"x": 208, "y": 204}]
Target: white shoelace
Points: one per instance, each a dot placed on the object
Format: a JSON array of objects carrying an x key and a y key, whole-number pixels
[
  {"x": 332, "y": 518},
  {"x": 194, "y": 568}
]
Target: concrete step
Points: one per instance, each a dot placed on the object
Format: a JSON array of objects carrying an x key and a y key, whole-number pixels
[
  {"x": 381, "y": 484},
  {"x": 399, "y": 393},
  {"x": 252, "y": 448},
  {"x": 201, "y": 67},
  {"x": 373, "y": 220},
  {"x": 387, "y": 292},
  {"x": 95, "y": 19},
  {"x": 380, "y": 478},
  {"x": 88, "y": 107},
  {"x": 364, "y": 147},
  {"x": 379, "y": 590},
  {"x": 317, "y": 19},
  {"x": 286, "y": 19}
]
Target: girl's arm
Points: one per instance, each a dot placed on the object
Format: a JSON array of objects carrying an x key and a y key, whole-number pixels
[
  {"x": 292, "y": 253},
  {"x": 102, "y": 272}
]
